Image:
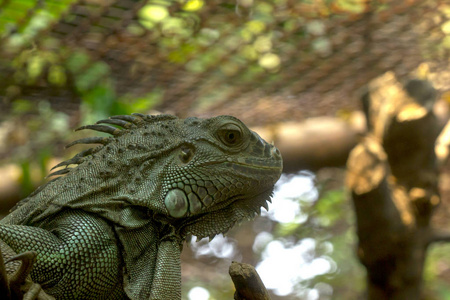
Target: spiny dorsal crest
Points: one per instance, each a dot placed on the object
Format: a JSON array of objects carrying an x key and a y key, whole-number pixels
[{"x": 125, "y": 123}]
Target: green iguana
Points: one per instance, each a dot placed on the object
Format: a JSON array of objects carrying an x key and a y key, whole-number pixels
[{"x": 113, "y": 226}]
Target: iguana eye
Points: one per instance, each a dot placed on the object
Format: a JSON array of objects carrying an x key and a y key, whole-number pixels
[{"x": 230, "y": 134}]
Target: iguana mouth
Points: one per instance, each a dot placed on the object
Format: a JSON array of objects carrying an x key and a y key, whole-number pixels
[
  {"x": 254, "y": 165},
  {"x": 267, "y": 157},
  {"x": 258, "y": 166}
]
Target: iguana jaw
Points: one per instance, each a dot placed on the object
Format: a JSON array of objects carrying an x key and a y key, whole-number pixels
[
  {"x": 234, "y": 180},
  {"x": 220, "y": 221}
]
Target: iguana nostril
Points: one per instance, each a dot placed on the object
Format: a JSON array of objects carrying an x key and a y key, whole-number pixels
[{"x": 275, "y": 152}]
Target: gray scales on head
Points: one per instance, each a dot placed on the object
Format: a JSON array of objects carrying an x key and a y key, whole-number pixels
[{"x": 113, "y": 226}]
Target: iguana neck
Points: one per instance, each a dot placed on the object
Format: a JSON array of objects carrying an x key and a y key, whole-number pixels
[{"x": 148, "y": 246}]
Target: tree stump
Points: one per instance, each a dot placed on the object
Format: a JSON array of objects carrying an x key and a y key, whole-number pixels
[{"x": 393, "y": 178}]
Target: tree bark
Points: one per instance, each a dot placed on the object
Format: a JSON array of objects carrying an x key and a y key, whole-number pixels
[
  {"x": 314, "y": 143},
  {"x": 247, "y": 282},
  {"x": 393, "y": 177}
]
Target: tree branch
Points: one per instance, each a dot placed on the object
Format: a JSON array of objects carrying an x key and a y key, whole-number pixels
[
  {"x": 247, "y": 282},
  {"x": 439, "y": 237}
]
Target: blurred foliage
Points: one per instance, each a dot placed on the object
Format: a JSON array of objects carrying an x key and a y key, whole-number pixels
[
  {"x": 14, "y": 21},
  {"x": 245, "y": 43},
  {"x": 44, "y": 125},
  {"x": 437, "y": 272}
]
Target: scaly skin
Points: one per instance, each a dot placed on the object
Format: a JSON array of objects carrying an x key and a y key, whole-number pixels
[{"x": 113, "y": 226}]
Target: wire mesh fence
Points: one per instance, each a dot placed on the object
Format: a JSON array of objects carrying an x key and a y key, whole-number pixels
[{"x": 206, "y": 57}]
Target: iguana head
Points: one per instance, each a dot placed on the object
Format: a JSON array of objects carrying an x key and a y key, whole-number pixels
[
  {"x": 200, "y": 176},
  {"x": 218, "y": 173}
]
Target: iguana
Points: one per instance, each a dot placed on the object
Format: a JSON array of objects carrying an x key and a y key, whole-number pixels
[{"x": 113, "y": 225}]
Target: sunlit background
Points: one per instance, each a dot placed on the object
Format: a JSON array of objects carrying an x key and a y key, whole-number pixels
[{"x": 295, "y": 262}]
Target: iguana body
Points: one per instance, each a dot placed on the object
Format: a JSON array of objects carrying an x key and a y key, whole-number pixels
[{"x": 113, "y": 226}]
